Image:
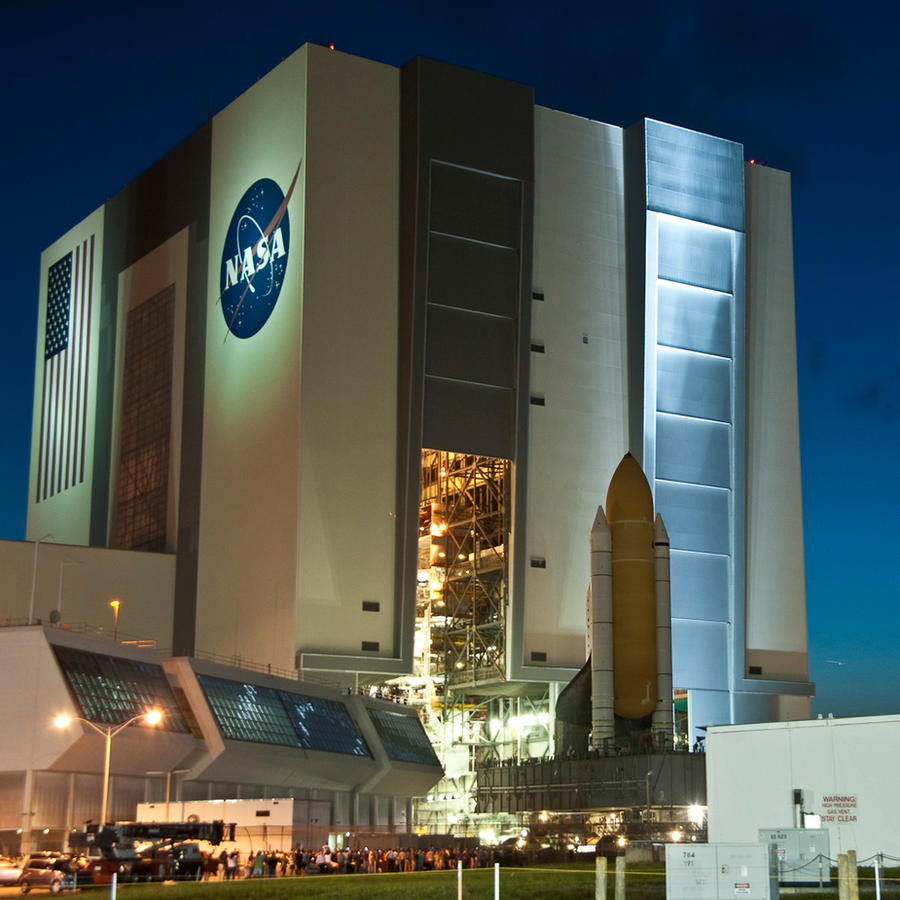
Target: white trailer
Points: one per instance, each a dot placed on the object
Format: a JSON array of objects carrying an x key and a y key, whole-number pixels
[{"x": 836, "y": 774}]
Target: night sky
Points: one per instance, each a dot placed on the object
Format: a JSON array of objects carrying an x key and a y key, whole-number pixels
[{"x": 95, "y": 92}]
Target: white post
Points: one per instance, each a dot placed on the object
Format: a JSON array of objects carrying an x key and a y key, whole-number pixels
[
  {"x": 112, "y": 886},
  {"x": 877, "y": 876},
  {"x": 497, "y": 881},
  {"x": 62, "y": 565},
  {"x": 459, "y": 879},
  {"x": 600, "y": 865},
  {"x": 620, "y": 878}
]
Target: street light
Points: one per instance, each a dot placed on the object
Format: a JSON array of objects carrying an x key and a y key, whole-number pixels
[
  {"x": 37, "y": 545},
  {"x": 115, "y": 605},
  {"x": 151, "y": 717},
  {"x": 62, "y": 566}
]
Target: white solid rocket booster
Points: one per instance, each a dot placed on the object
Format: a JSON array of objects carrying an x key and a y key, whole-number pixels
[{"x": 603, "y": 724}]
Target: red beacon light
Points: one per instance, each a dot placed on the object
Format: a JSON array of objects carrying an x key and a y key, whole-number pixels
[{"x": 331, "y": 46}]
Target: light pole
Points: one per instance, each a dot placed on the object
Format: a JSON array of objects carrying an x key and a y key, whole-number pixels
[
  {"x": 37, "y": 545},
  {"x": 62, "y": 566},
  {"x": 151, "y": 717},
  {"x": 169, "y": 775},
  {"x": 115, "y": 605}
]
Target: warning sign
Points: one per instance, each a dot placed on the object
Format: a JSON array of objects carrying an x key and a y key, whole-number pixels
[
  {"x": 742, "y": 887},
  {"x": 839, "y": 809}
]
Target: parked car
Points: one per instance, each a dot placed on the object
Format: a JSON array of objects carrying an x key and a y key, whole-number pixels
[
  {"x": 56, "y": 872},
  {"x": 10, "y": 871}
]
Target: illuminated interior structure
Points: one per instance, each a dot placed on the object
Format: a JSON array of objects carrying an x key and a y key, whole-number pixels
[{"x": 389, "y": 314}]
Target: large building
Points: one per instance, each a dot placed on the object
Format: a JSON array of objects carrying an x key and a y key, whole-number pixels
[{"x": 338, "y": 385}]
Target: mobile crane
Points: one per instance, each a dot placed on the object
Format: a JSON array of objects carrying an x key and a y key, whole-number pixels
[{"x": 172, "y": 852}]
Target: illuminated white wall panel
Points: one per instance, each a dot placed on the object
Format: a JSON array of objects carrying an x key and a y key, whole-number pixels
[
  {"x": 776, "y": 597},
  {"x": 694, "y": 176},
  {"x": 246, "y": 578},
  {"x": 695, "y": 255},
  {"x": 290, "y": 547},
  {"x": 703, "y": 580},
  {"x": 578, "y": 437},
  {"x": 694, "y": 318},
  {"x": 693, "y": 384},
  {"x": 697, "y": 517},
  {"x": 692, "y": 450},
  {"x": 693, "y": 394},
  {"x": 348, "y": 461},
  {"x": 700, "y": 653}
]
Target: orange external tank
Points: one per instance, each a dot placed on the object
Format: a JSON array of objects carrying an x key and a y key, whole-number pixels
[{"x": 629, "y": 510}]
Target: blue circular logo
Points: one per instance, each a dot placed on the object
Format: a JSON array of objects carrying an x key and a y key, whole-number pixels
[{"x": 254, "y": 258}]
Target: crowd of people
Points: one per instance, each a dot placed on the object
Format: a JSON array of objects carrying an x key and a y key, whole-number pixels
[{"x": 233, "y": 864}]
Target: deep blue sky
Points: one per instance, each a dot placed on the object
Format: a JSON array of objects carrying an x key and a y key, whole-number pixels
[{"x": 93, "y": 93}]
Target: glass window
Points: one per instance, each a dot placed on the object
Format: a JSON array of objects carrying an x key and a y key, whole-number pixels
[
  {"x": 248, "y": 712},
  {"x": 324, "y": 724},
  {"x": 404, "y": 737},
  {"x": 111, "y": 690}
]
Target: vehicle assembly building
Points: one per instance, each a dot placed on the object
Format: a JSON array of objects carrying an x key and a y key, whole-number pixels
[{"x": 338, "y": 385}]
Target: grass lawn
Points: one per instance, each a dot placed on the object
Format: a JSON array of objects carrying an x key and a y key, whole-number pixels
[{"x": 643, "y": 882}]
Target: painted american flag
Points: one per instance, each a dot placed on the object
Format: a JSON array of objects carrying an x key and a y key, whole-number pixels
[{"x": 61, "y": 455}]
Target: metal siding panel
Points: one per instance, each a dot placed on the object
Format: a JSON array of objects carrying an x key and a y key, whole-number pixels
[
  {"x": 693, "y": 385},
  {"x": 475, "y": 205},
  {"x": 695, "y": 254},
  {"x": 699, "y": 654},
  {"x": 693, "y": 450},
  {"x": 699, "y": 585},
  {"x": 474, "y": 276},
  {"x": 695, "y": 176},
  {"x": 468, "y": 418},
  {"x": 469, "y": 346},
  {"x": 694, "y": 318},
  {"x": 696, "y": 517}
]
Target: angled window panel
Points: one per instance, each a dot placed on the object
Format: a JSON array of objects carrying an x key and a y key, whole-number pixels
[
  {"x": 696, "y": 451},
  {"x": 404, "y": 737},
  {"x": 248, "y": 712},
  {"x": 700, "y": 585},
  {"x": 691, "y": 384},
  {"x": 694, "y": 318},
  {"x": 696, "y": 254},
  {"x": 696, "y": 517},
  {"x": 112, "y": 689},
  {"x": 323, "y": 724}
]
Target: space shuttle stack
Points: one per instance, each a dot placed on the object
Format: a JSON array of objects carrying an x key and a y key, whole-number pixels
[{"x": 629, "y": 610}]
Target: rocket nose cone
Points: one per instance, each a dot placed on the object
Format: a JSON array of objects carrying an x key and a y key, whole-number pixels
[{"x": 629, "y": 495}]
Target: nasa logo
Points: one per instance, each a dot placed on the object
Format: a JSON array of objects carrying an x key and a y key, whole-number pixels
[{"x": 254, "y": 258}]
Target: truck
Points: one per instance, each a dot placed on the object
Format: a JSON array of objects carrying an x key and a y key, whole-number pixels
[{"x": 147, "y": 851}]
